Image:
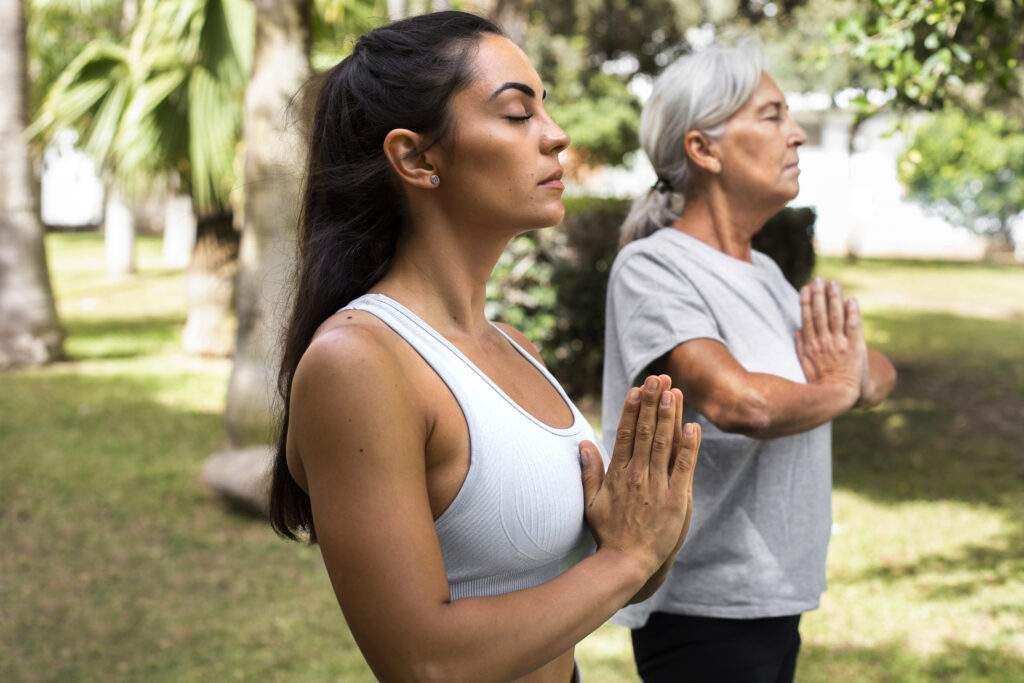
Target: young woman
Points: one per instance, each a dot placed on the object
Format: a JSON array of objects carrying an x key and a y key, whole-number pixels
[
  {"x": 765, "y": 370},
  {"x": 446, "y": 476}
]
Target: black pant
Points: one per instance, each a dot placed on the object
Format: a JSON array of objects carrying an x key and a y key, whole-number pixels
[{"x": 673, "y": 648}]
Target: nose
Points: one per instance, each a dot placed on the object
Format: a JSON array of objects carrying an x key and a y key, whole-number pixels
[
  {"x": 554, "y": 139},
  {"x": 797, "y": 136}
]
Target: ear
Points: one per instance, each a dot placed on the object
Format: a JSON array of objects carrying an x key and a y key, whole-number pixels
[
  {"x": 401, "y": 146},
  {"x": 702, "y": 151}
]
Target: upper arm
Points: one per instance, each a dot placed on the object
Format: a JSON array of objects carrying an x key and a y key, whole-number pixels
[{"x": 361, "y": 435}]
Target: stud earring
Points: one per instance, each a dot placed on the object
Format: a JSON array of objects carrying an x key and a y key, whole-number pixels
[{"x": 434, "y": 179}]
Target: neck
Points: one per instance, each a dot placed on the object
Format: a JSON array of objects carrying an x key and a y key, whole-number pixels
[
  {"x": 441, "y": 271},
  {"x": 721, "y": 221}
]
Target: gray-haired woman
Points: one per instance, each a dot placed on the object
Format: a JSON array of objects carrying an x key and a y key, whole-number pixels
[{"x": 764, "y": 369}]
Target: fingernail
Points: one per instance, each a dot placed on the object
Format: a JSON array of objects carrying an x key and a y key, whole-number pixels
[
  {"x": 651, "y": 384},
  {"x": 688, "y": 429},
  {"x": 584, "y": 457},
  {"x": 666, "y": 399},
  {"x": 834, "y": 285},
  {"x": 853, "y": 302},
  {"x": 633, "y": 396}
]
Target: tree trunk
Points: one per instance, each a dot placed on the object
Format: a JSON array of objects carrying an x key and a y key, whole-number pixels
[
  {"x": 179, "y": 239},
  {"x": 210, "y": 286},
  {"x": 29, "y": 331},
  {"x": 274, "y": 157},
  {"x": 118, "y": 236}
]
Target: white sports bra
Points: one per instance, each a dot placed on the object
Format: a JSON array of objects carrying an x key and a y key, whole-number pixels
[{"x": 518, "y": 520}]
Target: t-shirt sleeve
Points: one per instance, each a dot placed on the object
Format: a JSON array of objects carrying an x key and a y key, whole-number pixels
[{"x": 657, "y": 308}]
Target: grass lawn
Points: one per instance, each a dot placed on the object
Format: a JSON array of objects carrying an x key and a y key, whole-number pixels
[{"x": 116, "y": 565}]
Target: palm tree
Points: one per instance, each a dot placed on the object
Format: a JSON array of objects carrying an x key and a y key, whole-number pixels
[
  {"x": 29, "y": 331},
  {"x": 168, "y": 102},
  {"x": 274, "y": 154}
]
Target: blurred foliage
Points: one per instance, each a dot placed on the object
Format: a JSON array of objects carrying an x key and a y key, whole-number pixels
[
  {"x": 969, "y": 168},
  {"x": 166, "y": 97},
  {"x": 336, "y": 24},
  {"x": 56, "y": 31},
  {"x": 932, "y": 52},
  {"x": 165, "y": 100}
]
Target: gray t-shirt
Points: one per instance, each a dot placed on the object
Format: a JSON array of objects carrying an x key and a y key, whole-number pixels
[{"x": 762, "y": 508}]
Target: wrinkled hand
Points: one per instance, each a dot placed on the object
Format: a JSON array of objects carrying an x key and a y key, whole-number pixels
[
  {"x": 831, "y": 345},
  {"x": 642, "y": 505}
]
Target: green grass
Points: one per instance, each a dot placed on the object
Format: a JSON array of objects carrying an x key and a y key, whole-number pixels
[{"x": 116, "y": 565}]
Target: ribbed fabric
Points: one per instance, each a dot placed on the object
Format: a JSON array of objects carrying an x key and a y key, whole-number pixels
[{"x": 518, "y": 519}]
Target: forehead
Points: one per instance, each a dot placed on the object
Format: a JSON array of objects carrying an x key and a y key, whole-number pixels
[
  {"x": 498, "y": 61},
  {"x": 766, "y": 91}
]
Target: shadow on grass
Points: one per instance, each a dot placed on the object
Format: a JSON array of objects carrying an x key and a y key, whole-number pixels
[
  {"x": 121, "y": 338},
  {"x": 952, "y": 428},
  {"x": 898, "y": 664}
]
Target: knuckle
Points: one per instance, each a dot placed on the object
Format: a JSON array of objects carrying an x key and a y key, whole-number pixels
[
  {"x": 661, "y": 442},
  {"x": 624, "y": 435},
  {"x": 644, "y": 432}
]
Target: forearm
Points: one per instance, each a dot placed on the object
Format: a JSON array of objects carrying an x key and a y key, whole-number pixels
[
  {"x": 507, "y": 636},
  {"x": 770, "y": 406},
  {"x": 882, "y": 379}
]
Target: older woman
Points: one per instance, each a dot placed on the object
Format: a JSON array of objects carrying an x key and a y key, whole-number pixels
[{"x": 764, "y": 369}]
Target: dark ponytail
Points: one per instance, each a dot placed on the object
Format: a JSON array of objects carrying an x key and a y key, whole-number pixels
[{"x": 402, "y": 75}]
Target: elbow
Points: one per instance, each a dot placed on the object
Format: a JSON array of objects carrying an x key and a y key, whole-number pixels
[{"x": 748, "y": 414}]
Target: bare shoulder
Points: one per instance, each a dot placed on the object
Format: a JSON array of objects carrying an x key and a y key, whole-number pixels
[
  {"x": 345, "y": 349},
  {"x": 352, "y": 378},
  {"x": 520, "y": 338}
]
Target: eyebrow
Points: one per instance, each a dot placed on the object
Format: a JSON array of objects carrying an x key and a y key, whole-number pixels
[
  {"x": 521, "y": 87},
  {"x": 778, "y": 104}
]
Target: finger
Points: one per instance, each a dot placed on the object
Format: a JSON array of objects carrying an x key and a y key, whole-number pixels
[
  {"x": 819, "y": 308},
  {"x": 836, "y": 309},
  {"x": 622, "y": 451},
  {"x": 646, "y": 423},
  {"x": 801, "y": 355},
  {"x": 677, "y": 426},
  {"x": 591, "y": 470},
  {"x": 661, "y": 445},
  {"x": 686, "y": 461},
  {"x": 806, "y": 314},
  {"x": 854, "y": 324}
]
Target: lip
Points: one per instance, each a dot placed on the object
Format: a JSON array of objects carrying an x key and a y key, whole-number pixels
[{"x": 554, "y": 180}]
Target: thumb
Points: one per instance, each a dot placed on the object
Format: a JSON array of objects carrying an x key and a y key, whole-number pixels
[{"x": 592, "y": 471}]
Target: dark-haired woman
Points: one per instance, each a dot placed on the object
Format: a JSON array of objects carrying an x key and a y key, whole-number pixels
[
  {"x": 447, "y": 478},
  {"x": 765, "y": 370}
]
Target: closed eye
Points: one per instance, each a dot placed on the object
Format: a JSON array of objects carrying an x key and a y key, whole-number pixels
[{"x": 520, "y": 118}]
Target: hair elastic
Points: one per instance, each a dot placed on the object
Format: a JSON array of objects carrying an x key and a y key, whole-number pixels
[{"x": 662, "y": 185}]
